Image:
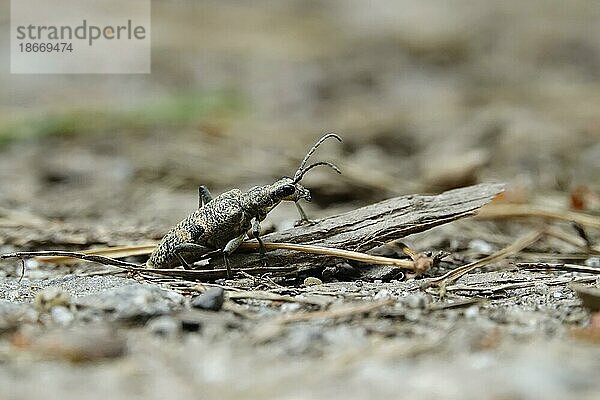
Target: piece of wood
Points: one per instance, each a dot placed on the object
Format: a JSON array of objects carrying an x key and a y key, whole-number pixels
[{"x": 368, "y": 227}]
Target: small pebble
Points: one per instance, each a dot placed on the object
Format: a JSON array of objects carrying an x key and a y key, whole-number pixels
[
  {"x": 133, "y": 302},
  {"x": 472, "y": 312},
  {"x": 557, "y": 294},
  {"x": 13, "y": 295},
  {"x": 541, "y": 288},
  {"x": 61, "y": 315},
  {"x": 416, "y": 301},
  {"x": 304, "y": 338},
  {"x": 290, "y": 307},
  {"x": 212, "y": 299},
  {"x": 312, "y": 281},
  {"x": 481, "y": 246},
  {"x": 164, "y": 326},
  {"x": 50, "y": 297},
  {"x": 412, "y": 315},
  {"x": 79, "y": 345},
  {"x": 382, "y": 295},
  {"x": 593, "y": 262},
  {"x": 329, "y": 272}
]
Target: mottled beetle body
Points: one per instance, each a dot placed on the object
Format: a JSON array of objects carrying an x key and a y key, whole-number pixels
[
  {"x": 223, "y": 222},
  {"x": 212, "y": 225}
]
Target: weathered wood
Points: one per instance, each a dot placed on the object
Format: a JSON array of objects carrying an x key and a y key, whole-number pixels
[{"x": 368, "y": 227}]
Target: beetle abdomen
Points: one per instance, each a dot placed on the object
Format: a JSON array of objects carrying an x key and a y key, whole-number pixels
[
  {"x": 187, "y": 231},
  {"x": 213, "y": 226}
]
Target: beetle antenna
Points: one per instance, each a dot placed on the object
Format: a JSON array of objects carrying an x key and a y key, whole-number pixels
[
  {"x": 303, "y": 172},
  {"x": 299, "y": 173}
]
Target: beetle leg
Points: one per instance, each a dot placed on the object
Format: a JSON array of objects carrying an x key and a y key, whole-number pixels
[
  {"x": 230, "y": 247},
  {"x": 189, "y": 248},
  {"x": 204, "y": 196},
  {"x": 303, "y": 218},
  {"x": 261, "y": 245},
  {"x": 184, "y": 263}
]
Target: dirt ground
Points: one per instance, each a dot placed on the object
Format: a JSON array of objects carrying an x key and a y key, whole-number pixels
[{"x": 427, "y": 96}]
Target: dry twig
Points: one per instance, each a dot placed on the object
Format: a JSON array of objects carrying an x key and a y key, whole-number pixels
[
  {"x": 517, "y": 285},
  {"x": 561, "y": 267},
  {"x": 456, "y": 273},
  {"x": 263, "y": 295}
]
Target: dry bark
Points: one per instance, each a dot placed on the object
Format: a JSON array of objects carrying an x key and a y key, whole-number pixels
[{"x": 368, "y": 227}]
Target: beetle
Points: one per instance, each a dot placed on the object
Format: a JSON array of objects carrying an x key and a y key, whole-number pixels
[{"x": 222, "y": 223}]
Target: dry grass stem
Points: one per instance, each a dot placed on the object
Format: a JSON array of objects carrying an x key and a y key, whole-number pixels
[
  {"x": 128, "y": 251},
  {"x": 327, "y": 251},
  {"x": 572, "y": 240},
  {"x": 501, "y": 211},
  {"x": 113, "y": 252},
  {"x": 517, "y": 246}
]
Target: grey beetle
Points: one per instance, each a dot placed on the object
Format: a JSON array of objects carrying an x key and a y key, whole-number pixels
[{"x": 221, "y": 223}]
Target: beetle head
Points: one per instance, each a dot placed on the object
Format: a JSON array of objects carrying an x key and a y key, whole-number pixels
[{"x": 287, "y": 189}]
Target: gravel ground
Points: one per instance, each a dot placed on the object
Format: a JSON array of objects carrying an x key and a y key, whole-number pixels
[{"x": 115, "y": 336}]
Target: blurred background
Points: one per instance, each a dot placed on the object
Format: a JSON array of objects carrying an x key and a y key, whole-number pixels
[{"x": 427, "y": 96}]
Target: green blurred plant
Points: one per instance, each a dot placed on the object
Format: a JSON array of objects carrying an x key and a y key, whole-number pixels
[{"x": 179, "y": 111}]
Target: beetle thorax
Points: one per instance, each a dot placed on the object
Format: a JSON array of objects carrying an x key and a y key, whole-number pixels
[{"x": 258, "y": 200}]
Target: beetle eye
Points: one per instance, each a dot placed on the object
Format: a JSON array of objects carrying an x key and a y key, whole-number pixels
[{"x": 286, "y": 190}]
